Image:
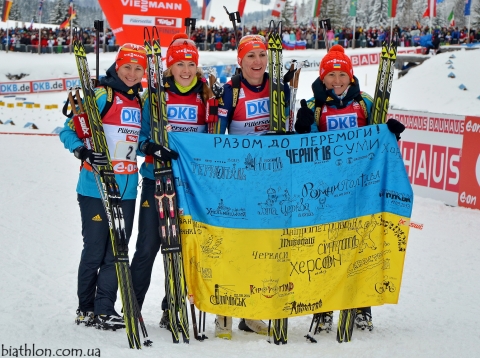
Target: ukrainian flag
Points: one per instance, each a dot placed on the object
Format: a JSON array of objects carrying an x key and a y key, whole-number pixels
[{"x": 281, "y": 226}]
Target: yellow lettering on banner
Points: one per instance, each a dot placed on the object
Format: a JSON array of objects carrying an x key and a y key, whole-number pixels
[{"x": 278, "y": 273}]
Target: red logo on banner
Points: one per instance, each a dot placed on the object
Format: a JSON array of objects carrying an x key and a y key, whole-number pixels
[
  {"x": 469, "y": 186},
  {"x": 128, "y": 18},
  {"x": 432, "y": 166}
]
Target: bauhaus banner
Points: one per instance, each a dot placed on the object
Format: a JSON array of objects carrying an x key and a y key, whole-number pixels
[{"x": 281, "y": 226}]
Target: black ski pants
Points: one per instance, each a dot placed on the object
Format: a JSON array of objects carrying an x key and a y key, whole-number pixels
[
  {"x": 97, "y": 277},
  {"x": 148, "y": 243}
]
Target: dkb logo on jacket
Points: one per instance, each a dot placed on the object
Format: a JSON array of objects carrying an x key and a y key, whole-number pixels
[
  {"x": 182, "y": 113},
  {"x": 130, "y": 115},
  {"x": 342, "y": 122},
  {"x": 257, "y": 108}
]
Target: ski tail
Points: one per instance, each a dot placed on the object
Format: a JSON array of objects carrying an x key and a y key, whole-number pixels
[
  {"x": 309, "y": 335},
  {"x": 280, "y": 331},
  {"x": 346, "y": 322}
]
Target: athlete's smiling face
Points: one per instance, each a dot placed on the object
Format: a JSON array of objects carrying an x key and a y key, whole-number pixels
[
  {"x": 130, "y": 74},
  {"x": 254, "y": 65},
  {"x": 184, "y": 72},
  {"x": 338, "y": 80}
]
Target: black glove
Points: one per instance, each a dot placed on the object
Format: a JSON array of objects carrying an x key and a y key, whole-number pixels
[
  {"x": 287, "y": 77},
  {"x": 217, "y": 90},
  {"x": 159, "y": 151},
  {"x": 305, "y": 118},
  {"x": 91, "y": 157},
  {"x": 396, "y": 127}
]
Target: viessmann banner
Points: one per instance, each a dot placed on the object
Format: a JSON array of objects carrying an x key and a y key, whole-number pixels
[
  {"x": 128, "y": 18},
  {"x": 281, "y": 226}
]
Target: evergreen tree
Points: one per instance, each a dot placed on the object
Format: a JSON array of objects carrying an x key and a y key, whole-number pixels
[
  {"x": 287, "y": 14},
  {"x": 406, "y": 16},
  {"x": 333, "y": 11},
  {"x": 302, "y": 14},
  {"x": 442, "y": 16},
  {"x": 58, "y": 13},
  {"x": 475, "y": 14},
  {"x": 419, "y": 8},
  {"x": 362, "y": 14},
  {"x": 380, "y": 13},
  {"x": 458, "y": 9},
  {"x": 15, "y": 12}
]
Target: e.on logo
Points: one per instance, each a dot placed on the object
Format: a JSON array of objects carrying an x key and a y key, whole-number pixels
[
  {"x": 472, "y": 127},
  {"x": 469, "y": 188},
  {"x": 467, "y": 199}
]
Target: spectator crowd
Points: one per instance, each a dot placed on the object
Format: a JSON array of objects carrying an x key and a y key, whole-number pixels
[{"x": 55, "y": 40}]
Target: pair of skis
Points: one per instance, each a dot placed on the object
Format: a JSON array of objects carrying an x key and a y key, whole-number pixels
[
  {"x": 111, "y": 199},
  {"x": 381, "y": 101},
  {"x": 165, "y": 195},
  {"x": 166, "y": 201},
  {"x": 278, "y": 125}
]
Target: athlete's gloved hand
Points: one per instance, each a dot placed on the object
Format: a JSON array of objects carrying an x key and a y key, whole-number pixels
[
  {"x": 159, "y": 151},
  {"x": 217, "y": 90},
  {"x": 287, "y": 77},
  {"x": 305, "y": 118},
  {"x": 396, "y": 127},
  {"x": 91, "y": 157}
]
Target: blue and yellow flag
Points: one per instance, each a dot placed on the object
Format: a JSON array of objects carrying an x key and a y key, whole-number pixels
[{"x": 281, "y": 226}]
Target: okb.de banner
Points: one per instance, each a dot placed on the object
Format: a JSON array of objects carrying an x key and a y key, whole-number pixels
[{"x": 281, "y": 226}]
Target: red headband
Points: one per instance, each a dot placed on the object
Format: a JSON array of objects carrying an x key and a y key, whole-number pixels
[
  {"x": 131, "y": 53},
  {"x": 249, "y": 43},
  {"x": 182, "y": 49}
]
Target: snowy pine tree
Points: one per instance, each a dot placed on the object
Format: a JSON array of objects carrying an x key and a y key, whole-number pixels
[
  {"x": 459, "y": 7},
  {"x": 406, "y": 15},
  {"x": 333, "y": 10},
  {"x": 287, "y": 14},
  {"x": 304, "y": 12},
  {"x": 15, "y": 12},
  {"x": 380, "y": 13},
  {"x": 59, "y": 12},
  {"x": 475, "y": 14}
]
